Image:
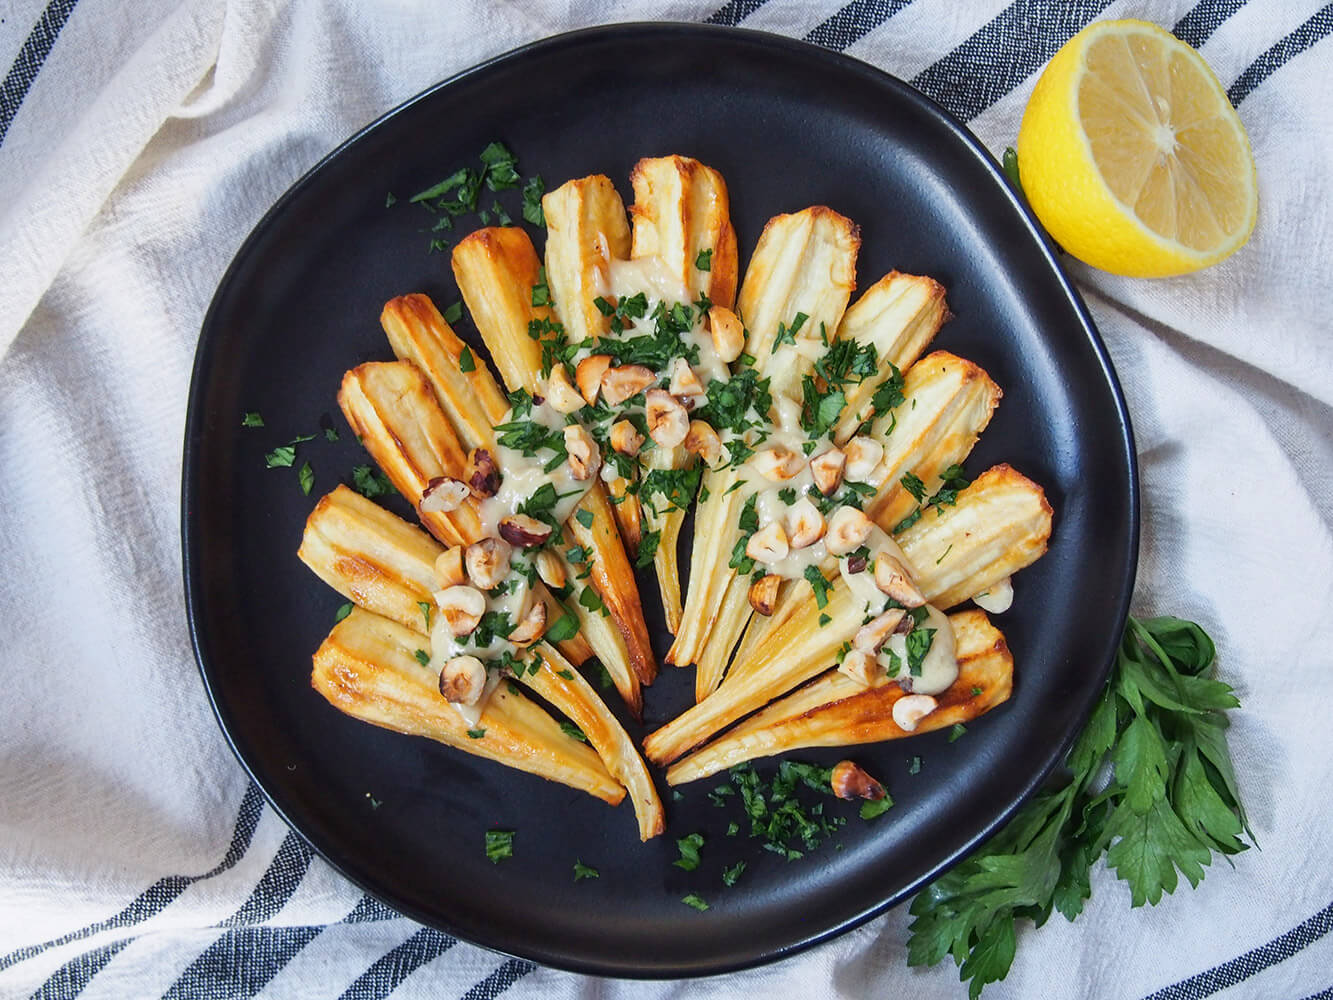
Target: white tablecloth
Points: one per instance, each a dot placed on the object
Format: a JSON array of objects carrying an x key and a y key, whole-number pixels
[{"x": 139, "y": 143}]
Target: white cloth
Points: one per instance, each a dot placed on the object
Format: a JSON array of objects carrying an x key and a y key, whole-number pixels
[{"x": 154, "y": 137}]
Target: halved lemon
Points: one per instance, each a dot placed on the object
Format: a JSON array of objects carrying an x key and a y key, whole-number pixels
[{"x": 1132, "y": 156}]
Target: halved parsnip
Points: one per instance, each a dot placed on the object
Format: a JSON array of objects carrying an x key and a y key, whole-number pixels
[
  {"x": 948, "y": 402},
  {"x": 586, "y": 229},
  {"x": 1004, "y": 522},
  {"x": 393, "y": 410},
  {"x": 900, "y": 315},
  {"x": 999, "y": 525},
  {"x": 681, "y": 211},
  {"x": 387, "y": 567},
  {"x": 834, "y": 710},
  {"x": 804, "y": 264},
  {"x": 496, "y": 269},
  {"x": 367, "y": 668},
  {"x": 471, "y": 400},
  {"x": 385, "y": 564},
  {"x": 613, "y": 577}
]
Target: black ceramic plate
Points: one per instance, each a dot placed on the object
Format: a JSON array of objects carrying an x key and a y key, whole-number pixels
[{"x": 788, "y": 125}]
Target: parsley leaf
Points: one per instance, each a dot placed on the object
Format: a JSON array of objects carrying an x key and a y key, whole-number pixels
[
  {"x": 306, "y": 476},
  {"x": 696, "y": 901},
  {"x": 564, "y": 627},
  {"x": 1171, "y": 803},
  {"x": 648, "y": 543},
  {"x": 871, "y": 808},
  {"x": 582, "y": 871},
  {"x": 584, "y": 517},
  {"x": 730, "y": 875},
  {"x": 475, "y": 734},
  {"x": 532, "y": 200},
  {"x": 252, "y": 419},
  {"x": 704, "y": 260},
  {"x": 342, "y": 612},
  {"x": 281, "y": 457},
  {"x": 818, "y": 584}
]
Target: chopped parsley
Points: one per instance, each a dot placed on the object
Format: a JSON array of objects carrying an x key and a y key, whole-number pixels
[
  {"x": 541, "y": 291},
  {"x": 689, "y": 851},
  {"x": 582, "y": 871},
  {"x": 453, "y": 313},
  {"x": 466, "y": 363},
  {"x": 252, "y": 419},
  {"x": 914, "y": 765},
  {"x": 532, "y": 200},
  {"x": 818, "y": 584},
  {"x": 676, "y": 486},
  {"x": 499, "y": 845},
  {"x": 342, "y": 612},
  {"x": 695, "y": 900},
  {"x": 871, "y": 808},
  {"x": 422, "y": 657},
  {"x": 648, "y": 543},
  {"x": 730, "y": 875},
  {"x": 564, "y": 627},
  {"x": 475, "y": 734},
  {"x": 330, "y": 434},
  {"x": 572, "y": 731},
  {"x": 956, "y": 731},
  {"x": 912, "y": 484},
  {"x": 704, "y": 260},
  {"x": 592, "y": 600},
  {"x": 306, "y": 475},
  {"x": 584, "y": 517},
  {"x": 281, "y": 457},
  {"x": 425, "y": 612},
  {"x": 370, "y": 482}
]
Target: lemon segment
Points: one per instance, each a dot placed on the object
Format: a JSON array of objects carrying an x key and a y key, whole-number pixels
[{"x": 1132, "y": 156}]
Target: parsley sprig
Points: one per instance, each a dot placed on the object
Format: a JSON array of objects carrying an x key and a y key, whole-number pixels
[{"x": 1171, "y": 803}]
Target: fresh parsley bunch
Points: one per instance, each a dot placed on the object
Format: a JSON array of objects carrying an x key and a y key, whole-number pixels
[{"x": 1148, "y": 783}]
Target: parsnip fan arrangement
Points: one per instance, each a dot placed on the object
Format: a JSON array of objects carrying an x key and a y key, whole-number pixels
[{"x": 834, "y": 525}]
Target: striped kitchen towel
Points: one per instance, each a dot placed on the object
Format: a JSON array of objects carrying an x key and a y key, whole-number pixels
[{"x": 140, "y": 143}]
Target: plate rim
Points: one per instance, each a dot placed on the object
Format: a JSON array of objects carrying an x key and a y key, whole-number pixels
[{"x": 775, "y": 44}]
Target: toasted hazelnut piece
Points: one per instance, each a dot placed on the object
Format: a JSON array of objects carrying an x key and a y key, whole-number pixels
[
  {"x": 805, "y": 525},
  {"x": 524, "y": 531},
  {"x": 703, "y": 441},
  {"x": 531, "y": 627},
  {"x": 588, "y": 376},
  {"x": 871, "y": 636},
  {"x": 778, "y": 464},
  {"x": 462, "y": 680},
  {"x": 625, "y": 438},
  {"x": 585, "y": 458},
  {"x": 851, "y": 782},
  {"x": 856, "y": 563},
  {"x": 728, "y": 334},
  {"x": 560, "y": 392},
  {"x": 910, "y": 709},
  {"x": 764, "y": 593},
  {"x": 619, "y": 384},
  {"x": 487, "y": 562},
  {"x": 863, "y": 457},
  {"x": 848, "y": 529},
  {"x": 769, "y": 544},
  {"x": 483, "y": 475},
  {"x": 461, "y": 607},
  {"x": 826, "y": 467},
  {"x": 443, "y": 494},
  {"x": 892, "y": 579},
  {"x": 861, "y": 667},
  {"x": 550, "y": 569},
  {"x": 683, "y": 380},
  {"x": 449, "y": 568},
  {"x": 668, "y": 423}
]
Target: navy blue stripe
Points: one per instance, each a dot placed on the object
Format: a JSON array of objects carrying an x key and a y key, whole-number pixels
[
  {"x": 69, "y": 980},
  {"x": 394, "y": 966},
  {"x": 1241, "y": 968},
  {"x": 157, "y": 897},
  {"x": 270, "y": 895},
  {"x": 734, "y": 12},
  {"x": 370, "y": 908},
  {"x": 853, "y": 22},
  {"x": 1316, "y": 28},
  {"x": 500, "y": 980},
  {"x": 1324, "y": 994},
  {"x": 242, "y": 962},
  {"x": 1205, "y": 17},
  {"x": 30, "y": 58},
  {"x": 1003, "y": 53}
]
